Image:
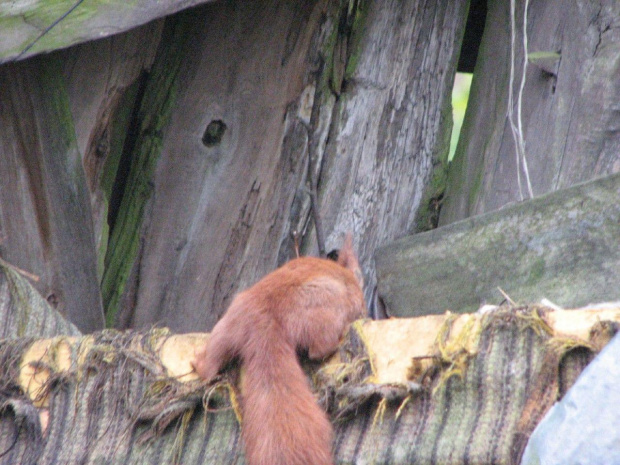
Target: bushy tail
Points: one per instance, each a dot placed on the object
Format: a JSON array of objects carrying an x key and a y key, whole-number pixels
[
  {"x": 224, "y": 344},
  {"x": 282, "y": 423}
]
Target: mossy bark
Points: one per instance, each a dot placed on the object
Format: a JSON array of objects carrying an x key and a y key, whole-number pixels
[
  {"x": 159, "y": 97},
  {"x": 561, "y": 246},
  {"x": 365, "y": 87},
  {"x": 30, "y": 28}
]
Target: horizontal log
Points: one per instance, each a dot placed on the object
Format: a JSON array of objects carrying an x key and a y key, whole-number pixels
[
  {"x": 393, "y": 343},
  {"x": 435, "y": 386},
  {"x": 31, "y": 27},
  {"x": 562, "y": 246}
]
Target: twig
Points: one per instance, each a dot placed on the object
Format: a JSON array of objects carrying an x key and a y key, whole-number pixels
[
  {"x": 314, "y": 198},
  {"x": 312, "y": 164},
  {"x": 506, "y": 296},
  {"x": 295, "y": 235},
  {"x": 25, "y": 273}
]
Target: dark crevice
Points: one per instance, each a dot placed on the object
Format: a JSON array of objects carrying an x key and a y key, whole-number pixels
[
  {"x": 472, "y": 38},
  {"x": 126, "y": 158}
]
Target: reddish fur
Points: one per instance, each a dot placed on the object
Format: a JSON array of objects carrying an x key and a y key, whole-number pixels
[{"x": 305, "y": 304}]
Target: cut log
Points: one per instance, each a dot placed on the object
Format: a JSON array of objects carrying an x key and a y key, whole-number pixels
[
  {"x": 562, "y": 246},
  {"x": 433, "y": 389}
]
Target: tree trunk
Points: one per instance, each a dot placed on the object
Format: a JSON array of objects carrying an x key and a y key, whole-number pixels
[
  {"x": 45, "y": 215},
  {"x": 387, "y": 133},
  {"x": 221, "y": 185},
  {"x": 201, "y": 140},
  {"x": 569, "y": 106},
  {"x": 104, "y": 81},
  {"x": 224, "y": 207}
]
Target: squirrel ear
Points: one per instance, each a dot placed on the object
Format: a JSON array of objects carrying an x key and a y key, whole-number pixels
[
  {"x": 333, "y": 255},
  {"x": 348, "y": 259}
]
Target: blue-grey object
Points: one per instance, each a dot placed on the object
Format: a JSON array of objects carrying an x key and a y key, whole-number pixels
[{"x": 584, "y": 427}]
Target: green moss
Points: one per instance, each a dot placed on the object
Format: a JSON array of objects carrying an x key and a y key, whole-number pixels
[
  {"x": 536, "y": 271},
  {"x": 47, "y": 13},
  {"x": 348, "y": 28},
  {"x": 154, "y": 113},
  {"x": 51, "y": 86},
  {"x": 56, "y": 23},
  {"x": 16, "y": 26},
  {"x": 358, "y": 25},
  {"x": 428, "y": 212},
  {"x": 45, "y": 25},
  {"x": 325, "y": 81},
  {"x": 119, "y": 127},
  {"x": 118, "y": 131}
]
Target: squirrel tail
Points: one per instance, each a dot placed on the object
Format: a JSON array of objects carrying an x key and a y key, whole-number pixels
[
  {"x": 282, "y": 423},
  {"x": 223, "y": 345}
]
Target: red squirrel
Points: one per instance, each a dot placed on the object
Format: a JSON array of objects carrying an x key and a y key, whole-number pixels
[{"x": 306, "y": 304}]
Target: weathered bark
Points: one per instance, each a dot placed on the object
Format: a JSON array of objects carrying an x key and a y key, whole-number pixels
[
  {"x": 98, "y": 82},
  {"x": 200, "y": 165},
  {"x": 105, "y": 82},
  {"x": 569, "y": 107},
  {"x": 372, "y": 93},
  {"x": 142, "y": 147},
  {"x": 221, "y": 200},
  {"x": 562, "y": 246},
  {"x": 387, "y": 134},
  {"x": 45, "y": 216},
  {"x": 29, "y": 28}
]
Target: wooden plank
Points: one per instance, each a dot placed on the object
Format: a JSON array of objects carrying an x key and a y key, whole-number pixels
[
  {"x": 31, "y": 27},
  {"x": 562, "y": 246}
]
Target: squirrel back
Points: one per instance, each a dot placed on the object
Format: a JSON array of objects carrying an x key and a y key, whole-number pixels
[{"x": 306, "y": 304}]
